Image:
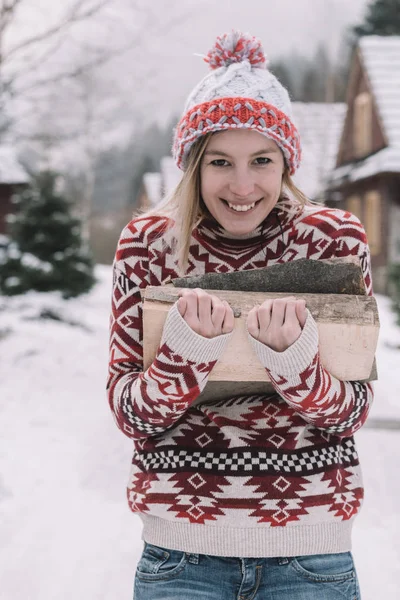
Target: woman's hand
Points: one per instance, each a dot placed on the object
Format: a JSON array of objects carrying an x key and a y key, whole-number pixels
[
  {"x": 277, "y": 323},
  {"x": 206, "y": 314}
]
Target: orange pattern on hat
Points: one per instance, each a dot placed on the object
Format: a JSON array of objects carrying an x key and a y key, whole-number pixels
[{"x": 237, "y": 113}]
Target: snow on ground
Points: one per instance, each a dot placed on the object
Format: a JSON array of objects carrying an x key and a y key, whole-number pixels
[{"x": 65, "y": 529}]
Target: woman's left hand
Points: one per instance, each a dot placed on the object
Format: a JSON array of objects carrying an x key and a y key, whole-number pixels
[{"x": 277, "y": 323}]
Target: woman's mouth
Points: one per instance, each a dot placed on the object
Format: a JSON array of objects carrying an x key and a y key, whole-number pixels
[{"x": 240, "y": 208}]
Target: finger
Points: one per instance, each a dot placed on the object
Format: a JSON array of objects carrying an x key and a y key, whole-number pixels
[
  {"x": 278, "y": 312},
  {"x": 182, "y": 305},
  {"x": 290, "y": 313},
  {"x": 229, "y": 319},
  {"x": 301, "y": 312},
  {"x": 204, "y": 308},
  {"x": 264, "y": 314},
  {"x": 191, "y": 314},
  {"x": 286, "y": 301},
  {"x": 253, "y": 324},
  {"x": 217, "y": 312}
]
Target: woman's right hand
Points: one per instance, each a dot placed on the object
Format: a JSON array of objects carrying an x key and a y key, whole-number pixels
[{"x": 206, "y": 314}]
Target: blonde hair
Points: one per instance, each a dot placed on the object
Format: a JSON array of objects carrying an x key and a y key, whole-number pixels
[{"x": 185, "y": 207}]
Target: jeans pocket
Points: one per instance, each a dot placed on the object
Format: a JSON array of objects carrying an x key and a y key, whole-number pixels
[
  {"x": 325, "y": 567},
  {"x": 160, "y": 564}
]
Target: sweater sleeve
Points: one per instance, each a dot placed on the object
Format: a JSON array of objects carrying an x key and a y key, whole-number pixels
[
  {"x": 146, "y": 403},
  {"x": 338, "y": 407}
]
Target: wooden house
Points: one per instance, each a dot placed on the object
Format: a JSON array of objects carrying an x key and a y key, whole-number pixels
[
  {"x": 12, "y": 177},
  {"x": 366, "y": 180}
]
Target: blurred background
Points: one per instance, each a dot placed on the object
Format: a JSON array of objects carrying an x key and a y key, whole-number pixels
[{"x": 90, "y": 91}]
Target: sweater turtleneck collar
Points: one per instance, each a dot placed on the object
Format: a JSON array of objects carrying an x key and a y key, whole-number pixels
[{"x": 269, "y": 228}]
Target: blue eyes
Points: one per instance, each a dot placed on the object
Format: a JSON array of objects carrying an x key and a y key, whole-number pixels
[{"x": 221, "y": 162}]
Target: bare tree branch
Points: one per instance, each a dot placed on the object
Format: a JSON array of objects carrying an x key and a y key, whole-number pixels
[
  {"x": 6, "y": 13},
  {"x": 103, "y": 58},
  {"x": 38, "y": 91},
  {"x": 36, "y": 104},
  {"x": 33, "y": 66},
  {"x": 74, "y": 15}
]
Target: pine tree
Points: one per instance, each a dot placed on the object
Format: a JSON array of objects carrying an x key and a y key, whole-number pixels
[
  {"x": 315, "y": 77},
  {"x": 382, "y": 18},
  {"x": 45, "y": 250},
  {"x": 281, "y": 69}
]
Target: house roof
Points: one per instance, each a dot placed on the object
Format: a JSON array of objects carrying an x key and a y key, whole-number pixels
[
  {"x": 384, "y": 161},
  {"x": 11, "y": 171},
  {"x": 320, "y": 125},
  {"x": 381, "y": 59}
]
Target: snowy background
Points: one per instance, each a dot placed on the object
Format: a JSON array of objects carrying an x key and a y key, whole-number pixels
[{"x": 65, "y": 527}]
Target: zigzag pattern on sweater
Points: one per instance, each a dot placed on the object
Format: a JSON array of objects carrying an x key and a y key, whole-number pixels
[{"x": 184, "y": 462}]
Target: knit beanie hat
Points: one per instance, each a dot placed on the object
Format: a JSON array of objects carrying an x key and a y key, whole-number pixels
[{"x": 239, "y": 93}]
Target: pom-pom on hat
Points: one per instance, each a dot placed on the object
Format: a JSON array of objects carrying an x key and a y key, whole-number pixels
[{"x": 239, "y": 93}]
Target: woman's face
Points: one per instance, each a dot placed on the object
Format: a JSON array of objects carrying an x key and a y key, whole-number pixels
[{"x": 241, "y": 178}]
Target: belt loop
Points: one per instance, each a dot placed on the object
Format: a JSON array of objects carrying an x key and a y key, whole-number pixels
[
  {"x": 283, "y": 561},
  {"x": 193, "y": 558}
]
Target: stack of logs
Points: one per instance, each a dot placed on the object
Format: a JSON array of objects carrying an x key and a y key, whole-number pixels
[{"x": 334, "y": 290}]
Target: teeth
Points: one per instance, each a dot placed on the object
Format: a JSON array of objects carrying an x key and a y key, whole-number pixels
[{"x": 241, "y": 208}]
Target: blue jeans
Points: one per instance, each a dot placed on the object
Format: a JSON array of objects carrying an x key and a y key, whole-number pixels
[{"x": 173, "y": 575}]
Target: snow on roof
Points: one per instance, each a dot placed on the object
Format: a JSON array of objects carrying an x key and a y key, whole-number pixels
[
  {"x": 152, "y": 185},
  {"x": 11, "y": 171},
  {"x": 320, "y": 126},
  {"x": 170, "y": 174},
  {"x": 384, "y": 161},
  {"x": 381, "y": 57}
]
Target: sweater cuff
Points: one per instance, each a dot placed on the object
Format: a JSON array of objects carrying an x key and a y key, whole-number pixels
[
  {"x": 181, "y": 338},
  {"x": 294, "y": 359}
]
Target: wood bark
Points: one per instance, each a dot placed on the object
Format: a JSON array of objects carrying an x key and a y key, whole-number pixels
[{"x": 331, "y": 276}]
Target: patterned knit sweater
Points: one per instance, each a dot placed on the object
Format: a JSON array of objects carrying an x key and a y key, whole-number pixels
[{"x": 265, "y": 475}]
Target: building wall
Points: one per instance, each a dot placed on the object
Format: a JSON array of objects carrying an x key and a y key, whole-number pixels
[
  {"x": 380, "y": 219},
  {"x": 359, "y": 84},
  {"x": 6, "y": 206}
]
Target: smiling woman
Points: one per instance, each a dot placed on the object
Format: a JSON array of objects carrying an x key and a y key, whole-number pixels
[
  {"x": 241, "y": 179},
  {"x": 250, "y": 496}
]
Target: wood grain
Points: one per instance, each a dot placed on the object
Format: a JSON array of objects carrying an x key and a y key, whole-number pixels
[{"x": 348, "y": 327}]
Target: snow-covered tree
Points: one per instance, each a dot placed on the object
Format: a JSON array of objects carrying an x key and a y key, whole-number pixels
[
  {"x": 45, "y": 250},
  {"x": 382, "y": 18}
]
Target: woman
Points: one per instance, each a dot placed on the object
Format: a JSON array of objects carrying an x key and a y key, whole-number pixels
[{"x": 250, "y": 497}]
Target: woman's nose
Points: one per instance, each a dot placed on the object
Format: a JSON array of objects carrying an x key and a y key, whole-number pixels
[{"x": 241, "y": 184}]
